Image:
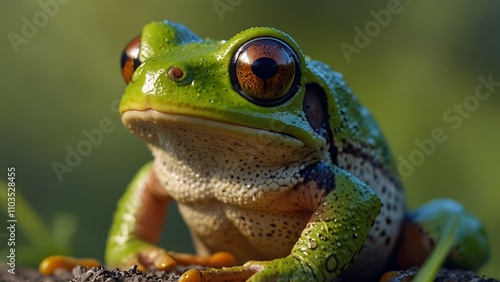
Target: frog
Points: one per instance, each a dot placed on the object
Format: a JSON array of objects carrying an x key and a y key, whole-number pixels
[{"x": 278, "y": 170}]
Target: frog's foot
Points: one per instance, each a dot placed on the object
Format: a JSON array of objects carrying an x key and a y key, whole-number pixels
[
  {"x": 53, "y": 263},
  {"x": 398, "y": 276},
  {"x": 283, "y": 269},
  {"x": 150, "y": 258},
  {"x": 219, "y": 259},
  {"x": 235, "y": 273},
  {"x": 424, "y": 228},
  {"x": 160, "y": 259}
]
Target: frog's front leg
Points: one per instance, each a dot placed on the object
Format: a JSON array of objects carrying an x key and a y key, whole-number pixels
[
  {"x": 344, "y": 210},
  {"x": 423, "y": 228},
  {"x": 137, "y": 225}
]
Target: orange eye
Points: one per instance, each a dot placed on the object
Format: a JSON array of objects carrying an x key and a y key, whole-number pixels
[
  {"x": 265, "y": 71},
  {"x": 130, "y": 58}
]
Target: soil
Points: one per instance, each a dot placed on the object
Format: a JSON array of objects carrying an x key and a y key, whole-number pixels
[
  {"x": 101, "y": 274},
  {"x": 97, "y": 274}
]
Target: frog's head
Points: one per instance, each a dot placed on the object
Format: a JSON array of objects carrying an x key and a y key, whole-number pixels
[{"x": 251, "y": 92}]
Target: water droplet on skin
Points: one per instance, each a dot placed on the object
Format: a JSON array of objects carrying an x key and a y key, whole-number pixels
[{"x": 312, "y": 245}]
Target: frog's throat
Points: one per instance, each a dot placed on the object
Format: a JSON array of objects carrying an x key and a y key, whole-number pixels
[{"x": 183, "y": 135}]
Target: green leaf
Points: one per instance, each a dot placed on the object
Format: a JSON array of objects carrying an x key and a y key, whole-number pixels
[{"x": 436, "y": 259}]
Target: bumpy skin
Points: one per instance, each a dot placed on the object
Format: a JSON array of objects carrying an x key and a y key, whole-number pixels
[{"x": 301, "y": 183}]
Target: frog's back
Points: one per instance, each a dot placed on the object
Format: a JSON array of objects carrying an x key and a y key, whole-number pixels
[{"x": 361, "y": 149}]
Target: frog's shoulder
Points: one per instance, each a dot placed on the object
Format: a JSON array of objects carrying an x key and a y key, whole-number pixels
[{"x": 357, "y": 127}]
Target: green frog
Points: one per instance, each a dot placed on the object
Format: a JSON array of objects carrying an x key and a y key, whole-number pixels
[{"x": 277, "y": 169}]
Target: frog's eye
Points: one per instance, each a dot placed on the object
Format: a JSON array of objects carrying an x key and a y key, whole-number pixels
[
  {"x": 130, "y": 58},
  {"x": 265, "y": 71}
]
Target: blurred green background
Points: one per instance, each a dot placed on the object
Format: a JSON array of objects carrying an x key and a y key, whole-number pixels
[{"x": 63, "y": 78}]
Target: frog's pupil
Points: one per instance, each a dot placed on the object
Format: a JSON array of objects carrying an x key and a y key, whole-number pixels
[
  {"x": 124, "y": 59},
  {"x": 265, "y": 68}
]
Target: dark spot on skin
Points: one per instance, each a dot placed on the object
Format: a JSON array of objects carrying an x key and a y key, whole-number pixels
[
  {"x": 383, "y": 233},
  {"x": 384, "y": 189},
  {"x": 321, "y": 174},
  {"x": 331, "y": 264},
  {"x": 431, "y": 242},
  {"x": 387, "y": 241}
]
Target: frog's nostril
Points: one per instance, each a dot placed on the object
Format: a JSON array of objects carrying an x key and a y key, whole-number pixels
[{"x": 175, "y": 73}]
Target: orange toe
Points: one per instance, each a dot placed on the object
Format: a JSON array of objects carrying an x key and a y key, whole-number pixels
[{"x": 50, "y": 264}]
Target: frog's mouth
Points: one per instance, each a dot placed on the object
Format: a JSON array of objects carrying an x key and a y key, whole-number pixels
[{"x": 184, "y": 135}]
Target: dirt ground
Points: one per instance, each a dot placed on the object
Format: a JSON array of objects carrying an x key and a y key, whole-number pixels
[
  {"x": 101, "y": 274},
  {"x": 80, "y": 274}
]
